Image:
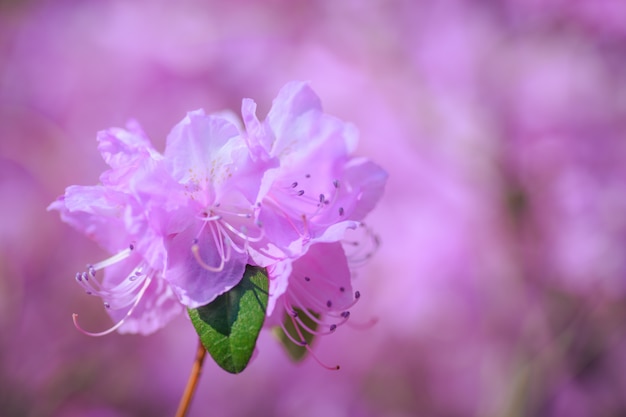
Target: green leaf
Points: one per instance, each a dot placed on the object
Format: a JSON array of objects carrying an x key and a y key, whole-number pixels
[
  {"x": 297, "y": 352},
  {"x": 230, "y": 325}
]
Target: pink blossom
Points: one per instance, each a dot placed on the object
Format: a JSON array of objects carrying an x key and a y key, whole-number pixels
[
  {"x": 314, "y": 189},
  {"x": 318, "y": 189},
  {"x": 163, "y": 217},
  {"x": 318, "y": 285},
  {"x": 187, "y": 222},
  {"x": 119, "y": 216}
]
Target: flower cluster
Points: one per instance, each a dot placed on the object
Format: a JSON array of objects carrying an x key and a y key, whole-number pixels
[{"x": 182, "y": 226}]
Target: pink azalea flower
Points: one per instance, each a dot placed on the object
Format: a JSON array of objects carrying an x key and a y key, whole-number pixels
[
  {"x": 177, "y": 222},
  {"x": 317, "y": 189},
  {"x": 119, "y": 217},
  {"x": 312, "y": 193},
  {"x": 183, "y": 225}
]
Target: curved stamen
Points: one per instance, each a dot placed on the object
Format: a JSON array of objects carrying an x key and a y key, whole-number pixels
[
  {"x": 218, "y": 238},
  {"x": 229, "y": 241},
  {"x": 290, "y": 337},
  {"x": 289, "y": 306},
  {"x": 206, "y": 218},
  {"x": 122, "y": 321},
  {"x": 306, "y": 345},
  {"x": 110, "y": 261},
  {"x": 243, "y": 235},
  {"x": 118, "y": 295},
  {"x": 327, "y": 305},
  {"x": 343, "y": 316},
  {"x": 223, "y": 249},
  {"x": 361, "y": 249},
  {"x": 196, "y": 254}
]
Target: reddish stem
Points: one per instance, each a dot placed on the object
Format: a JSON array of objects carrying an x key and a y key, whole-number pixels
[{"x": 192, "y": 383}]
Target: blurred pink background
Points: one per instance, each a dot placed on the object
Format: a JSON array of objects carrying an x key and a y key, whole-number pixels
[{"x": 499, "y": 288}]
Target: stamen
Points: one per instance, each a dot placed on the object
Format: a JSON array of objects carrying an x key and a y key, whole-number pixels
[
  {"x": 118, "y": 296},
  {"x": 219, "y": 244},
  {"x": 314, "y": 302},
  {"x": 294, "y": 184},
  {"x": 244, "y": 233},
  {"x": 308, "y": 348},
  {"x": 112, "y": 260},
  {"x": 290, "y": 337},
  {"x": 362, "y": 246},
  {"x": 301, "y": 193},
  {"x": 122, "y": 321},
  {"x": 294, "y": 300},
  {"x": 331, "y": 327},
  {"x": 195, "y": 249}
]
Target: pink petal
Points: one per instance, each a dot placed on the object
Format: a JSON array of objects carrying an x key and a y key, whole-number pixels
[
  {"x": 194, "y": 285},
  {"x": 329, "y": 283}
]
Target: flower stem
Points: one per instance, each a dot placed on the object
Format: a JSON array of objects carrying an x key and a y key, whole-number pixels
[{"x": 192, "y": 383}]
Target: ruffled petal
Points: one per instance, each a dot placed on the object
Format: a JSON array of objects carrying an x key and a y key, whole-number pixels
[
  {"x": 199, "y": 153},
  {"x": 97, "y": 212},
  {"x": 298, "y": 123},
  {"x": 129, "y": 153},
  {"x": 121, "y": 147}
]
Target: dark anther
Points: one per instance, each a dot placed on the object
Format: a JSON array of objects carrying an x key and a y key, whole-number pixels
[
  {"x": 341, "y": 211},
  {"x": 294, "y": 184},
  {"x": 333, "y": 327},
  {"x": 301, "y": 192},
  {"x": 329, "y": 304},
  {"x": 357, "y": 294}
]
